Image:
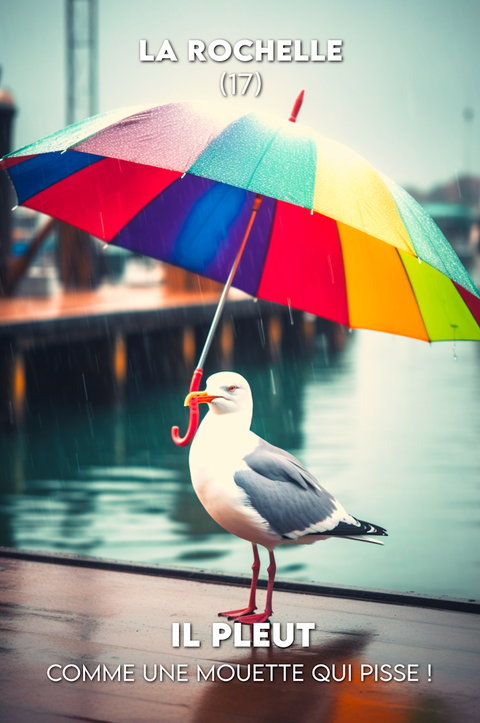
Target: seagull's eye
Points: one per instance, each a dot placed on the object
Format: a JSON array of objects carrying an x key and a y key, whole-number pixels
[{"x": 232, "y": 387}]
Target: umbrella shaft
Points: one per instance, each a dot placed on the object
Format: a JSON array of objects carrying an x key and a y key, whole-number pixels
[{"x": 226, "y": 289}]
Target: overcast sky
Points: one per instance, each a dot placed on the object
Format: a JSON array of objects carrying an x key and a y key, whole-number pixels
[{"x": 410, "y": 69}]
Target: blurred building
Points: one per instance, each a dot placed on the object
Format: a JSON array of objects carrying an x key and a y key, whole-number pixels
[
  {"x": 7, "y": 112},
  {"x": 455, "y": 208}
]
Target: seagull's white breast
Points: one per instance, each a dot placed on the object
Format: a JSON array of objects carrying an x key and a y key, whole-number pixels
[{"x": 216, "y": 454}]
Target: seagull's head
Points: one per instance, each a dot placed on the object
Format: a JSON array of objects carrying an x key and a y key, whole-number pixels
[{"x": 225, "y": 393}]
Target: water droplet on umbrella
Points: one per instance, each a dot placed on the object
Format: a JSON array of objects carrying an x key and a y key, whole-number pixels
[
  {"x": 454, "y": 326},
  {"x": 14, "y": 208},
  {"x": 419, "y": 260},
  {"x": 64, "y": 151}
]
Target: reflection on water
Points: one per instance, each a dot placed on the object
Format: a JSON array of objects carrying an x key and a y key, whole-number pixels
[{"x": 390, "y": 426}]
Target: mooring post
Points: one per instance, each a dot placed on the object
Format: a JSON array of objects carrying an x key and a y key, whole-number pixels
[
  {"x": 274, "y": 334},
  {"x": 189, "y": 346},
  {"x": 119, "y": 362},
  {"x": 227, "y": 343},
  {"x": 13, "y": 386}
]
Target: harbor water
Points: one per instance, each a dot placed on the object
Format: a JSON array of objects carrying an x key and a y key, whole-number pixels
[{"x": 389, "y": 425}]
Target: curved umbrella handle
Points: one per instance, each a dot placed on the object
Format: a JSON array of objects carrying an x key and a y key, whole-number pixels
[{"x": 194, "y": 413}]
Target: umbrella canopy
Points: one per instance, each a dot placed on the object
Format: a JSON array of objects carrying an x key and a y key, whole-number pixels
[{"x": 332, "y": 235}]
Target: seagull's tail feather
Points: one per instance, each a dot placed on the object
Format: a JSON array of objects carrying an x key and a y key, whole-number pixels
[
  {"x": 359, "y": 530},
  {"x": 364, "y": 538}
]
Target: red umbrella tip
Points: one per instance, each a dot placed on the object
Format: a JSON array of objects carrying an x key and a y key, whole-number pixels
[{"x": 297, "y": 106}]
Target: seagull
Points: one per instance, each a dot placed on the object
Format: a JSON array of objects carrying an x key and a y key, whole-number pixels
[{"x": 259, "y": 492}]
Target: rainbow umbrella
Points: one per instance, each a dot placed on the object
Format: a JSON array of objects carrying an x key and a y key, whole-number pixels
[{"x": 294, "y": 217}]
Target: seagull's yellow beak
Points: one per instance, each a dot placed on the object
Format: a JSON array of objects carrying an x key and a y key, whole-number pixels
[{"x": 202, "y": 397}]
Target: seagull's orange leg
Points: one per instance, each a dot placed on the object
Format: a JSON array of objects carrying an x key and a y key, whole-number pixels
[
  {"x": 252, "y": 605},
  {"x": 263, "y": 617}
]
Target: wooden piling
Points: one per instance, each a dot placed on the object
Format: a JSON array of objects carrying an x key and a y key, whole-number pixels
[
  {"x": 119, "y": 361},
  {"x": 13, "y": 386},
  {"x": 227, "y": 343},
  {"x": 275, "y": 335},
  {"x": 189, "y": 346}
]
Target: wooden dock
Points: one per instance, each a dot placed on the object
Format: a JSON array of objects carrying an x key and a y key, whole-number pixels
[
  {"x": 89, "y": 339},
  {"x": 64, "y": 611},
  {"x": 85, "y": 311}
]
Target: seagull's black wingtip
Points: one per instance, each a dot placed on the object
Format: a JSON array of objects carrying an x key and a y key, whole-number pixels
[{"x": 372, "y": 529}]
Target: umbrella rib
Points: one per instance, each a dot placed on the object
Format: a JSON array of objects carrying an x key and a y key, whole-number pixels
[
  {"x": 267, "y": 246},
  {"x": 226, "y": 288},
  {"x": 344, "y": 273},
  {"x": 267, "y": 147}
]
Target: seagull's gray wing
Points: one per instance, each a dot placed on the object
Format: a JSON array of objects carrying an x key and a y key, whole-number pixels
[{"x": 291, "y": 500}]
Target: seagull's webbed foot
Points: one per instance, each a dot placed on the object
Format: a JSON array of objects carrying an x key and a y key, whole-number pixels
[
  {"x": 234, "y": 614},
  {"x": 258, "y": 618}
]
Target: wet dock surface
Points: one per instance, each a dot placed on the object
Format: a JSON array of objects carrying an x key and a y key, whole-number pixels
[
  {"x": 20, "y": 313},
  {"x": 74, "y": 615}
]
